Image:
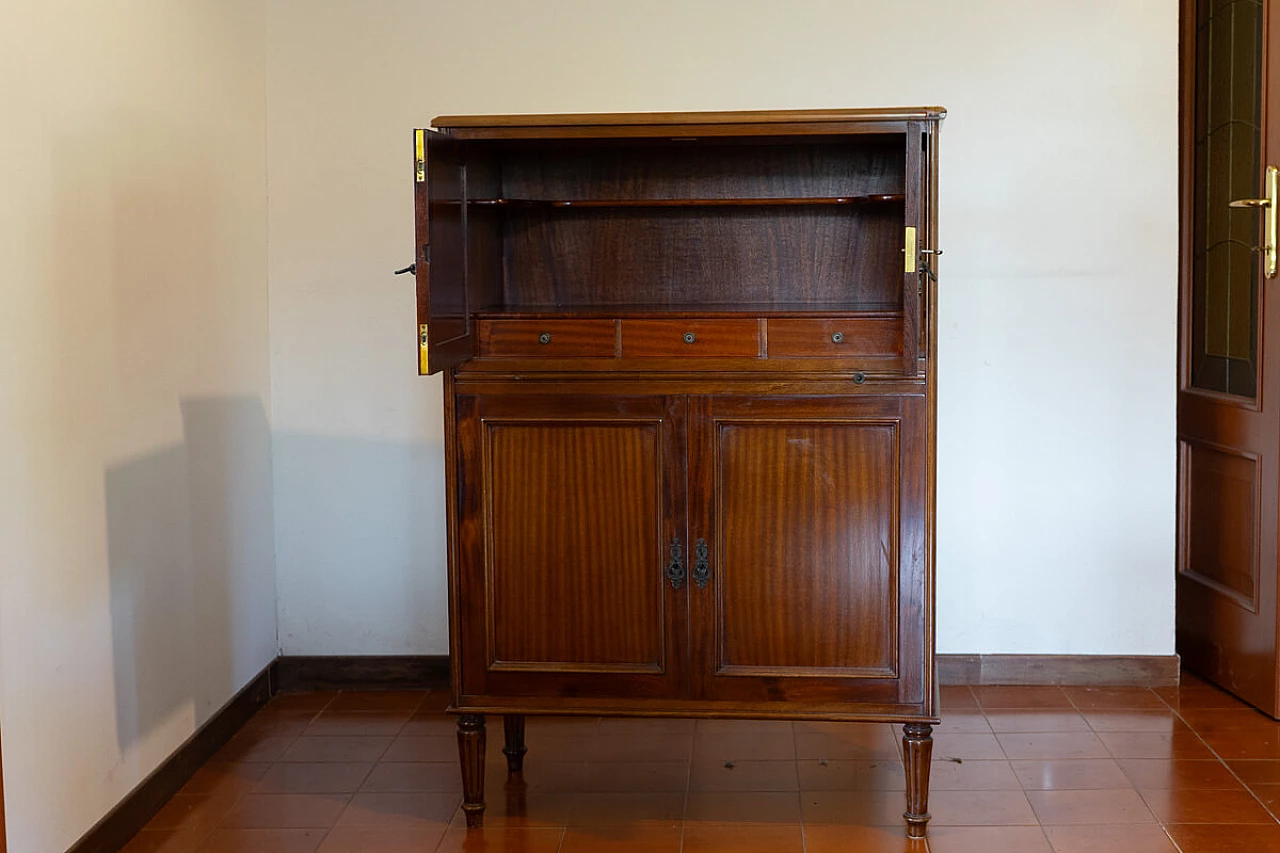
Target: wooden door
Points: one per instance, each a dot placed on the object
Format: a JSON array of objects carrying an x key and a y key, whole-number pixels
[
  {"x": 569, "y": 508},
  {"x": 807, "y": 518},
  {"x": 1229, "y": 389}
]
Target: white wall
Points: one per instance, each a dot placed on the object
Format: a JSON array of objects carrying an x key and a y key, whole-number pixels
[
  {"x": 137, "y": 589},
  {"x": 1056, "y": 467},
  {"x": 137, "y": 574}
]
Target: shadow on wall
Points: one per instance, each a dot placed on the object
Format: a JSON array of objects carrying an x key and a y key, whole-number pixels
[
  {"x": 172, "y": 227},
  {"x": 189, "y": 540}
]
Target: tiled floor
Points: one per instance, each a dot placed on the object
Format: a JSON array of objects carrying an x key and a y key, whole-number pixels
[{"x": 1016, "y": 770}]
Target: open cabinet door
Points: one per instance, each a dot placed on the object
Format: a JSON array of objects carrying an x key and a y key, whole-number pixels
[
  {"x": 913, "y": 232},
  {"x": 444, "y": 323}
]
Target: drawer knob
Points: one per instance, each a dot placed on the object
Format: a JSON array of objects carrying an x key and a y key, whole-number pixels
[
  {"x": 689, "y": 337},
  {"x": 544, "y": 338},
  {"x": 859, "y": 378},
  {"x": 837, "y": 338}
]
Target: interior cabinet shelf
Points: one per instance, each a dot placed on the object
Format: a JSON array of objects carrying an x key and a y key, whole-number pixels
[
  {"x": 876, "y": 198},
  {"x": 680, "y": 310}
]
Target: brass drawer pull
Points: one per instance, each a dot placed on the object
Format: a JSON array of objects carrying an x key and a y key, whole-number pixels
[
  {"x": 837, "y": 338},
  {"x": 544, "y": 338},
  {"x": 689, "y": 337}
]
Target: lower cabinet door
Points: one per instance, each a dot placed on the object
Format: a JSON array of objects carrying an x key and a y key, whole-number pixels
[
  {"x": 808, "y": 558},
  {"x": 563, "y": 578}
]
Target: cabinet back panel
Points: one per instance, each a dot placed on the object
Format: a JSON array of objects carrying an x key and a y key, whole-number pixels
[
  {"x": 808, "y": 546},
  {"x": 690, "y": 169},
  {"x": 576, "y": 527},
  {"x": 484, "y": 257},
  {"x": 717, "y": 256}
]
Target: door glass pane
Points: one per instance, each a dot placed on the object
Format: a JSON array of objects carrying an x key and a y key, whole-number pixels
[{"x": 1228, "y": 165}]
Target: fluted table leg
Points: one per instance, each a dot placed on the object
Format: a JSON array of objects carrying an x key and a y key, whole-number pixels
[
  {"x": 514, "y": 749},
  {"x": 917, "y": 753},
  {"x": 471, "y": 757}
]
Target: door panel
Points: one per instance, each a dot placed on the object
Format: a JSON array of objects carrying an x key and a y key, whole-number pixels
[
  {"x": 604, "y": 481},
  {"x": 1228, "y": 428},
  {"x": 569, "y": 508},
  {"x": 780, "y": 509},
  {"x": 1222, "y": 520},
  {"x": 812, "y": 512}
]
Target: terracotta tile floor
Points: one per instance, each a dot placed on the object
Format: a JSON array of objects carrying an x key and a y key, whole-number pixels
[{"x": 1016, "y": 770}]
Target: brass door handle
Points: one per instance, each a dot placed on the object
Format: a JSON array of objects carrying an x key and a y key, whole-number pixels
[{"x": 1270, "y": 226}]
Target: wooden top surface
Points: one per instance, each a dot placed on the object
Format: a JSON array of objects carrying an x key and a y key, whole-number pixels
[{"x": 754, "y": 117}]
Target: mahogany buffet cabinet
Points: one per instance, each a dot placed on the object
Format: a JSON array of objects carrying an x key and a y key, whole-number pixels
[{"x": 689, "y": 372}]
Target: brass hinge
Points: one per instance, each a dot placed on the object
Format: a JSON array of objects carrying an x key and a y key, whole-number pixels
[
  {"x": 910, "y": 250},
  {"x": 420, "y": 152},
  {"x": 423, "y": 345}
]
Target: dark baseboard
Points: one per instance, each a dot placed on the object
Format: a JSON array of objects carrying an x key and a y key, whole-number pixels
[
  {"x": 351, "y": 672},
  {"x": 123, "y": 822},
  {"x": 1080, "y": 670}
]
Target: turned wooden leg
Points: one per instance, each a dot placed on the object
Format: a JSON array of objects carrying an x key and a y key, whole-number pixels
[
  {"x": 917, "y": 753},
  {"x": 514, "y": 749},
  {"x": 471, "y": 757}
]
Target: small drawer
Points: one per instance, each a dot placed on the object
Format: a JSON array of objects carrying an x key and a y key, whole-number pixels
[
  {"x": 690, "y": 338},
  {"x": 835, "y": 338},
  {"x": 548, "y": 338}
]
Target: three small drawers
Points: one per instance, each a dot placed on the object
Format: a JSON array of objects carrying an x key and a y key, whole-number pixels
[{"x": 846, "y": 337}]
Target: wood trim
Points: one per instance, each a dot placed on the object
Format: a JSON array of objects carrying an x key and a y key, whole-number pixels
[
  {"x": 143, "y": 802},
  {"x": 728, "y": 117},
  {"x": 3, "y": 845},
  {"x": 1186, "y": 176},
  {"x": 362, "y": 672},
  {"x": 1087, "y": 670}
]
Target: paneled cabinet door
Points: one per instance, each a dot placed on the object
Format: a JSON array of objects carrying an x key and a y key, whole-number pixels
[
  {"x": 808, "y": 536},
  {"x": 568, "y": 509}
]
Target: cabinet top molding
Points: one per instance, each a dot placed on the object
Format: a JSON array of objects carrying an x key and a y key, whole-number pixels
[{"x": 814, "y": 121}]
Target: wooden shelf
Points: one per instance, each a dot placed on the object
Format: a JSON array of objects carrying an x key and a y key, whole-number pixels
[
  {"x": 880, "y": 198},
  {"x": 677, "y": 311}
]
